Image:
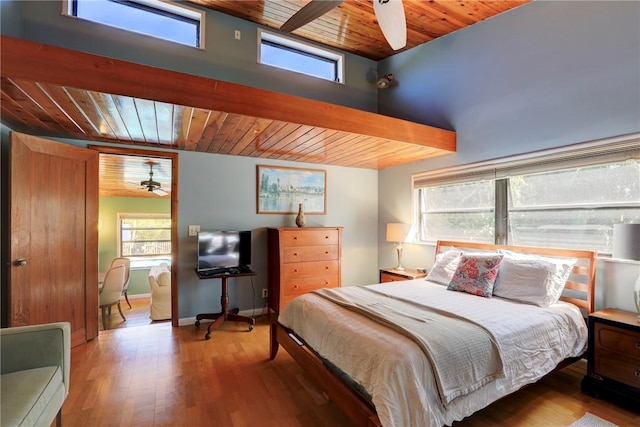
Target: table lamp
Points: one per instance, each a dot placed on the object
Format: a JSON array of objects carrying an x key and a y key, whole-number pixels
[
  {"x": 397, "y": 232},
  {"x": 626, "y": 245}
]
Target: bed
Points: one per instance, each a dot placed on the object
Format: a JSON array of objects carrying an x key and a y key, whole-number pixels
[{"x": 390, "y": 354}]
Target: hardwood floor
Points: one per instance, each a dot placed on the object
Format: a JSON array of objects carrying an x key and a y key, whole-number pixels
[
  {"x": 156, "y": 375},
  {"x": 137, "y": 315}
]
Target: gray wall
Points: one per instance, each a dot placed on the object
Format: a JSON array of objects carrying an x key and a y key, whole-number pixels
[
  {"x": 224, "y": 58},
  {"x": 547, "y": 74}
]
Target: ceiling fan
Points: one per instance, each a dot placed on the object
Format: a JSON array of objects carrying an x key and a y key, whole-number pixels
[
  {"x": 389, "y": 13},
  {"x": 150, "y": 184}
]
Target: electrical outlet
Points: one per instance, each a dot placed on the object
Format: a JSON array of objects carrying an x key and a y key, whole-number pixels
[
  {"x": 265, "y": 293},
  {"x": 237, "y": 34},
  {"x": 194, "y": 230}
]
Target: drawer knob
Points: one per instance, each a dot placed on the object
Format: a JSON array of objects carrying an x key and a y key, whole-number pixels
[
  {"x": 295, "y": 286},
  {"x": 638, "y": 345},
  {"x": 637, "y": 373},
  {"x": 326, "y": 237},
  {"x": 295, "y": 254},
  {"x": 326, "y": 252},
  {"x": 295, "y": 270}
]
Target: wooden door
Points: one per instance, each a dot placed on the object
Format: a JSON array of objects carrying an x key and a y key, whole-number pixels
[{"x": 54, "y": 235}]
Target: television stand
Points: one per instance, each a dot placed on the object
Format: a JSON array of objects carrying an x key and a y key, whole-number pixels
[{"x": 226, "y": 313}]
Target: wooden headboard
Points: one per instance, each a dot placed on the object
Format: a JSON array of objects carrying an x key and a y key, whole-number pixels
[{"x": 580, "y": 288}]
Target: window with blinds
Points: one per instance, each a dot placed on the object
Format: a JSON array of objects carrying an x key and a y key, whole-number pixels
[
  {"x": 144, "y": 238},
  {"x": 563, "y": 198}
]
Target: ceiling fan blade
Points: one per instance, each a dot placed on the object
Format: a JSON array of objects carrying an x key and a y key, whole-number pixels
[
  {"x": 159, "y": 191},
  {"x": 310, "y": 11},
  {"x": 390, "y": 16}
]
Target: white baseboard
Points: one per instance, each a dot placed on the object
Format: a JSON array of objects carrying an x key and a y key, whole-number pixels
[{"x": 190, "y": 321}]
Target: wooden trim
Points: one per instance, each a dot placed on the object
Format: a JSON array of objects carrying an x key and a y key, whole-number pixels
[
  {"x": 39, "y": 62},
  {"x": 174, "y": 212}
]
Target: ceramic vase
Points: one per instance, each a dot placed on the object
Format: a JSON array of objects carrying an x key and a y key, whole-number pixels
[{"x": 300, "y": 218}]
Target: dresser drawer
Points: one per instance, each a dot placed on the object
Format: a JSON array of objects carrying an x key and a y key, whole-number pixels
[
  {"x": 610, "y": 339},
  {"x": 609, "y": 365},
  {"x": 310, "y": 237},
  {"x": 309, "y": 253},
  {"x": 306, "y": 284},
  {"x": 295, "y": 271}
]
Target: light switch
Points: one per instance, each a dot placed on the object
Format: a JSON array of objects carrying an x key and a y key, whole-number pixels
[
  {"x": 237, "y": 34},
  {"x": 194, "y": 230}
]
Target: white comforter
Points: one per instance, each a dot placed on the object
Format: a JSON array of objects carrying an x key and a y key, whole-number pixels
[{"x": 396, "y": 373}]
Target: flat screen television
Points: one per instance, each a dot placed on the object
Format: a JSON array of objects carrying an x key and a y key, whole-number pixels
[{"x": 223, "y": 249}]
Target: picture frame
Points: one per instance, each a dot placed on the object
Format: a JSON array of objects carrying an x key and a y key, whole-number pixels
[{"x": 280, "y": 190}]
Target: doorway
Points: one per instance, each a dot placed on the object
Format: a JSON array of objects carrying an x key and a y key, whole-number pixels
[{"x": 146, "y": 177}]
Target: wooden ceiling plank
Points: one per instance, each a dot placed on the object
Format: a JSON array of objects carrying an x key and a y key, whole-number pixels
[
  {"x": 110, "y": 114},
  {"x": 272, "y": 129},
  {"x": 34, "y": 104},
  {"x": 51, "y": 108},
  {"x": 86, "y": 106},
  {"x": 299, "y": 135},
  {"x": 296, "y": 147},
  {"x": 250, "y": 136},
  {"x": 128, "y": 112},
  {"x": 287, "y": 132},
  {"x": 244, "y": 126},
  {"x": 164, "y": 123},
  {"x": 145, "y": 109},
  {"x": 226, "y": 129},
  {"x": 195, "y": 124},
  {"x": 214, "y": 124},
  {"x": 28, "y": 60}
]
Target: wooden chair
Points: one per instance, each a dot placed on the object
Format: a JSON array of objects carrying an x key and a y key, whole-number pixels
[
  {"x": 114, "y": 282},
  {"x": 127, "y": 266}
]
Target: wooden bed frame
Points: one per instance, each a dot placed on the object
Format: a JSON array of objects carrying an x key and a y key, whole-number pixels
[{"x": 353, "y": 403}]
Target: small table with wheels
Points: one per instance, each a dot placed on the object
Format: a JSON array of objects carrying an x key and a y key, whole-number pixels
[{"x": 226, "y": 313}]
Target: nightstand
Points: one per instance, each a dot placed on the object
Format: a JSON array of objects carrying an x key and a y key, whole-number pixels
[
  {"x": 613, "y": 367},
  {"x": 392, "y": 275}
]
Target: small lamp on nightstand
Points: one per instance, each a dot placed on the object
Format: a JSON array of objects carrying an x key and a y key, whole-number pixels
[
  {"x": 626, "y": 245},
  {"x": 397, "y": 232}
]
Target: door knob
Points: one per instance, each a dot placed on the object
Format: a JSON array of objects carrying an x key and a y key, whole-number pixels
[{"x": 20, "y": 262}]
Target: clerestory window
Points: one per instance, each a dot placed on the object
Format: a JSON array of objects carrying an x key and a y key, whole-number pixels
[{"x": 160, "y": 19}]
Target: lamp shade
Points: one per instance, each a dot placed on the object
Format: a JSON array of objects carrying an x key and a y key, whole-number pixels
[
  {"x": 397, "y": 232},
  {"x": 626, "y": 241}
]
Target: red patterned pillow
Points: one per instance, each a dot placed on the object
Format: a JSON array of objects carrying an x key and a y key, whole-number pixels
[{"x": 476, "y": 274}]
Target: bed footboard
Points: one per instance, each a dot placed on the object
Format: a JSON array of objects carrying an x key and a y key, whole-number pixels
[{"x": 344, "y": 397}]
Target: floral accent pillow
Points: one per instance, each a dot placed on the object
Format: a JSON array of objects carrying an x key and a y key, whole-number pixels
[{"x": 476, "y": 274}]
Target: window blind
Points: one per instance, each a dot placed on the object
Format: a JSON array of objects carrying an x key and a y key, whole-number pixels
[{"x": 610, "y": 150}]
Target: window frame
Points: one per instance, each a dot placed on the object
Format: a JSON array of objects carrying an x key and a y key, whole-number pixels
[
  {"x": 593, "y": 153},
  {"x": 143, "y": 215},
  {"x": 304, "y": 49},
  {"x": 174, "y": 10}
]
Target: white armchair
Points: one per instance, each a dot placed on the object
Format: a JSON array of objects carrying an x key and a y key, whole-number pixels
[{"x": 160, "y": 284}]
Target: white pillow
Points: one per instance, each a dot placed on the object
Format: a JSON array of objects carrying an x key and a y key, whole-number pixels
[
  {"x": 532, "y": 279},
  {"x": 444, "y": 267},
  {"x": 164, "y": 278}
]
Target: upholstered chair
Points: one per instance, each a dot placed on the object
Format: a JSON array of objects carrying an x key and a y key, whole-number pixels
[
  {"x": 111, "y": 291},
  {"x": 127, "y": 266}
]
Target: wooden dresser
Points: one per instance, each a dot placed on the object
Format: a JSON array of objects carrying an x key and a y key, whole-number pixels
[
  {"x": 613, "y": 368},
  {"x": 301, "y": 260}
]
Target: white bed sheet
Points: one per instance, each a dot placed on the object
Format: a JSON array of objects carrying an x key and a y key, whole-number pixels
[{"x": 394, "y": 370}]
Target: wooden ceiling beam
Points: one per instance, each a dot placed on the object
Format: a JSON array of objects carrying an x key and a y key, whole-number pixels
[{"x": 43, "y": 63}]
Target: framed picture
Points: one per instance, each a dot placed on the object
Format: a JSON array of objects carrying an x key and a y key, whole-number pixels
[{"x": 280, "y": 190}]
